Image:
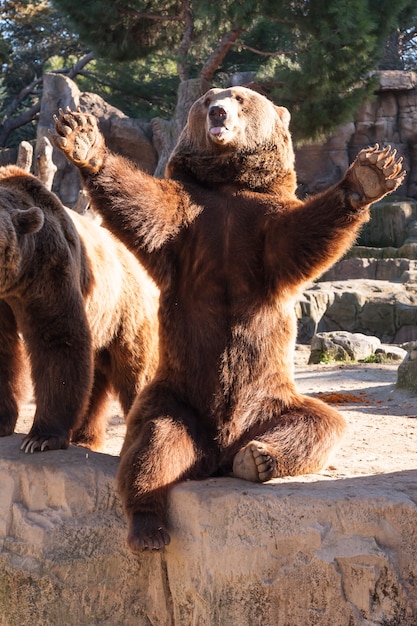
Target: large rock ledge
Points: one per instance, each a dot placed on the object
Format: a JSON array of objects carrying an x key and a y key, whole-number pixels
[
  {"x": 336, "y": 549},
  {"x": 331, "y": 552}
]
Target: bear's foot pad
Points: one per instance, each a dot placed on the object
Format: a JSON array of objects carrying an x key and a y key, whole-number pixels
[
  {"x": 254, "y": 463},
  {"x": 79, "y": 138},
  {"x": 378, "y": 172},
  {"x": 146, "y": 532}
]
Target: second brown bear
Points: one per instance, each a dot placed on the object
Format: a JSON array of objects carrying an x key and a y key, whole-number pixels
[
  {"x": 230, "y": 246},
  {"x": 87, "y": 312}
]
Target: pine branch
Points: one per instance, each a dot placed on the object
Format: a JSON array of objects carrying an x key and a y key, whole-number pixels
[
  {"x": 76, "y": 69},
  {"x": 11, "y": 123},
  {"x": 216, "y": 58},
  {"x": 17, "y": 100},
  {"x": 151, "y": 17},
  {"x": 277, "y": 53}
]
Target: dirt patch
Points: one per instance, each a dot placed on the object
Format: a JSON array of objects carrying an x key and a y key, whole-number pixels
[{"x": 382, "y": 420}]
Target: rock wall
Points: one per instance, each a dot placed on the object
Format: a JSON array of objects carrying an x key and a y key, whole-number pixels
[
  {"x": 373, "y": 289},
  {"x": 289, "y": 553},
  {"x": 389, "y": 118}
]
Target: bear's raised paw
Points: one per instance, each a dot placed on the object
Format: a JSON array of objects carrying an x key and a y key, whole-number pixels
[
  {"x": 77, "y": 135},
  {"x": 375, "y": 173}
]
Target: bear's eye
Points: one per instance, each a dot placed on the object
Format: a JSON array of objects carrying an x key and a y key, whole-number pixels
[
  {"x": 239, "y": 99},
  {"x": 207, "y": 102}
]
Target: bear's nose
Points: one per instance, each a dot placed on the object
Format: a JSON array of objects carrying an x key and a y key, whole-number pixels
[{"x": 217, "y": 115}]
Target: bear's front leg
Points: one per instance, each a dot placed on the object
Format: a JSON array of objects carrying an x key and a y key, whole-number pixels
[
  {"x": 60, "y": 348},
  {"x": 78, "y": 137},
  {"x": 373, "y": 174},
  {"x": 14, "y": 373}
]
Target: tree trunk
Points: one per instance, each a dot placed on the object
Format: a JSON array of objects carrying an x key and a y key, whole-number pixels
[
  {"x": 166, "y": 133},
  {"x": 393, "y": 59}
]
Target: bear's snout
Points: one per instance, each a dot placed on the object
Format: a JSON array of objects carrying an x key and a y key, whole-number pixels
[
  {"x": 217, "y": 115},
  {"x": 220, "y": 123}
]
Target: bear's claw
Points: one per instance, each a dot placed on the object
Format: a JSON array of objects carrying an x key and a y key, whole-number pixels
[
  {"x": 40, "y": 443},
  {"x": 376, "y": 172},
  {"x": 147, "y": 533}
]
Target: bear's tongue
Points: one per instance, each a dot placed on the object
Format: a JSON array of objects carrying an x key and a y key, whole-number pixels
[{"x": 217, "y": 130}]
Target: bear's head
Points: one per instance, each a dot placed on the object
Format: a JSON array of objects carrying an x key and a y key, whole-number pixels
[
  {"x": 236, "y": 136},
  {"x": 18, "y": 220}
]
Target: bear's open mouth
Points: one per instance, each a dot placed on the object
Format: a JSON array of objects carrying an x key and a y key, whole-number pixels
[
  {"x": 219, "y": 133},
  {"x": 217, "y": 130}
]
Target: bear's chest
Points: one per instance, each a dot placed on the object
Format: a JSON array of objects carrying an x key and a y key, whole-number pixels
[{"x": 221, "y": 255}]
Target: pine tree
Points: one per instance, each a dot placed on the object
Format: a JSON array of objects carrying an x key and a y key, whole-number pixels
[
  {"x": 314, "y": 56},
  {"x": 33, "y": 37}
]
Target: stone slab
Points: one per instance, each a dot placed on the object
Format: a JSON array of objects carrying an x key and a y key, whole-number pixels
[{"x": 335, "y": 549}]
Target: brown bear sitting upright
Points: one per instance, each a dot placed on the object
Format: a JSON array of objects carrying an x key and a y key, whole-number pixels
[
  {"x": 85, "y": 307},
  {"x": 230, "y": 246}
]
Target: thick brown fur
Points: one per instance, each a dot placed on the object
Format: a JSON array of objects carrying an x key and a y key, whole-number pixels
[
  {"x": 85, "y": 308},
  {"x": 230, "y": 247}
]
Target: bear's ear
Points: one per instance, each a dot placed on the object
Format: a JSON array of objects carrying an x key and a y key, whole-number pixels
[
  {"x": 284, "y": 115},
  {"x": 28, "y": 221}
]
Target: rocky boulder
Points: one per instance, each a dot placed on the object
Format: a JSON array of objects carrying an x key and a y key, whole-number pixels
[
  {"x": 385, "y": 309},
  {"x": 241, "y": 553},
  {"x": 344, "y": 346},
  {"x": 407, "y": 371},
  {"x": 130, "y": 137}
]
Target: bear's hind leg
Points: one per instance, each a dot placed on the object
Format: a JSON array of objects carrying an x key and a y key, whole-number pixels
[
  {"x": 156, "y": 455},
  {"x": 164, "y": 454},
  {"x": 299, "y": 441},
  {"x": 91, "y": 432}
]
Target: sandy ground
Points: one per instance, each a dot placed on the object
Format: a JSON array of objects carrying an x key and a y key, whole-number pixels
[{"x": 382, "y": 420}]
